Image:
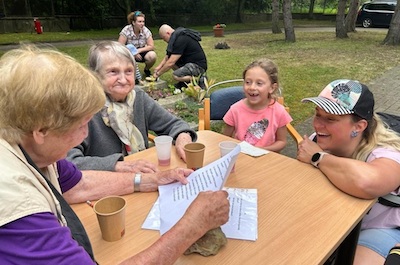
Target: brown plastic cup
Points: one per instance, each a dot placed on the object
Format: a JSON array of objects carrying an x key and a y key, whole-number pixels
[
  {"x": 110, "y": 213},
  {"x": 194, "y": 155}
]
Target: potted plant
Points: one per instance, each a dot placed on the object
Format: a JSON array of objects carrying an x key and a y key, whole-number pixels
[
  {"x": 194, "y": 90},
  {"x": 219, "y": 30}
]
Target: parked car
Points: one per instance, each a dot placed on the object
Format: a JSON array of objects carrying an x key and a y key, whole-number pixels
[{"x": 376, "y": 14}]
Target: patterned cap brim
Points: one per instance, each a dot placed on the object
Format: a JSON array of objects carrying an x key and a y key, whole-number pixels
[{"x": 328, "y": 106}]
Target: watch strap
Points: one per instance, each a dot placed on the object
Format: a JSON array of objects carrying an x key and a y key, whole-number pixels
[
  {"x": 136, "y": 182},
  {"x": 316, "y": 162}
]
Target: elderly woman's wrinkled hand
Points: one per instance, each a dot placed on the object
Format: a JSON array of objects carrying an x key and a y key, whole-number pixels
[
  {"x": 137, "y": 166},
  {"x": 306, "y": 150},
  {"x": 209, "y": 210},
  {"x": 181, "y": 141},
  {"x": 173, "y": 175}
]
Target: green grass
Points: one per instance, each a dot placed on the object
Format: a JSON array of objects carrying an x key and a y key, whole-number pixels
[
  {"x": 305, "y": 67},
  {"x": 15, "y": 38}
]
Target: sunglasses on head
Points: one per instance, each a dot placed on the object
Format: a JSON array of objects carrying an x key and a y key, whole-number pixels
[{"x": 137, "y": 13}]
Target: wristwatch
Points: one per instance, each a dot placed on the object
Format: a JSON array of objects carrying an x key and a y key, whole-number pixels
[
  {"x": 136, "y": 182},
  {"x": 316, "y": 158}
]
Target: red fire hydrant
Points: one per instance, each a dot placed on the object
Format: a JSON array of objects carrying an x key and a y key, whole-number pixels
[{"x": 38, "y": 26}]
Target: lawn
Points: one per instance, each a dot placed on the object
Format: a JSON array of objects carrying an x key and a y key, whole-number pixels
[{"x": 306, "y": 66}]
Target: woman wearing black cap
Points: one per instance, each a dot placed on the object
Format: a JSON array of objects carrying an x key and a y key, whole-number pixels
[{"x": 361, "y": 157}]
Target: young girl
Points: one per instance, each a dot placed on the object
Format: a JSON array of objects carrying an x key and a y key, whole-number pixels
[{"x": 259, "y": 119}]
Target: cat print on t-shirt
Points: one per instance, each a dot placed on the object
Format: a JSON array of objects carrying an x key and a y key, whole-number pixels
[{"x": 256, "y": 131}]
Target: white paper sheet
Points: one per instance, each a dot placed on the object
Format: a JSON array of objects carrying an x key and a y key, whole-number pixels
[
  {"x": 251, "y": 150},
  {"x": 175, "y": 198},
  {"x": 243, "y": 217}
]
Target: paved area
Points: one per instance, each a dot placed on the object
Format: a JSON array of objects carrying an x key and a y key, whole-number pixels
[{"x": 386, "y": 90}]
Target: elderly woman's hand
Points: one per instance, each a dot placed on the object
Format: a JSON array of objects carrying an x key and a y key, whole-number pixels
[
  {"x": 182, "y": 139},
  {"x": 306, "y": 150},
  {"x": 173, "y": 175},
  {"x": 208, "y": 211},
  {"x": 136, "y": 166},
  {"x": 150, "y": 182}
]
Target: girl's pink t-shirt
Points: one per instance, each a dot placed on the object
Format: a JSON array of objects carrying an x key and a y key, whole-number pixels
[{"x": 257, "y": 127}]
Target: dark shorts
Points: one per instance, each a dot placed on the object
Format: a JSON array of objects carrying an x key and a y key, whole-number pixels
[
  {"x": 191, "y": 69},
  {"x": 143, "y": 54}
]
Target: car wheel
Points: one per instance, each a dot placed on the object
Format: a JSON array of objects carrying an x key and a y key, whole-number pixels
[{"x": 367, "y": 22}]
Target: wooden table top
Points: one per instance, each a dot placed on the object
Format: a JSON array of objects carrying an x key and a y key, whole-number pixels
[{"x": 302, "y": 217}]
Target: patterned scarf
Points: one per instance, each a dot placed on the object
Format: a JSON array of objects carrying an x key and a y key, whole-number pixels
[{"x": 119, "y": 116}]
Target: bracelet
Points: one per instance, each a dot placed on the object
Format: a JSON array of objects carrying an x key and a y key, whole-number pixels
[{"x": 136, "y": 182}]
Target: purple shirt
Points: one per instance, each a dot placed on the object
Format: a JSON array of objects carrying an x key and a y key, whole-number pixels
[
  {"x": 69, "y": 175},
  {"x": 39, "y": 238}
]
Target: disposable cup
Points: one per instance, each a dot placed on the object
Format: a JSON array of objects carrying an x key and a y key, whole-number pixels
[
  {"x": 163, "y": 146},
  {"x": 110, "y": 213},
  {"x": 225, "y": 147},
  {"x": 194, "y": 155}
]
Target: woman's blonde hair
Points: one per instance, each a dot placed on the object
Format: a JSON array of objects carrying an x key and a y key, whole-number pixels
[
  {"x": 377, "y": 134},
  {"x": 270, "y": 68},
  {"x": 44, "y": 89}
]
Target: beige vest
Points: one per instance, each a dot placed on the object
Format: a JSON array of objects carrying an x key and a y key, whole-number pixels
[{"x": 23, "y": 190}]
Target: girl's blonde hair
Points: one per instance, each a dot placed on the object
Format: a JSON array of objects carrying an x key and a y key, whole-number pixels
[
  {"x": 271, "y": 69},
  {"x": 44, "y": 89}
]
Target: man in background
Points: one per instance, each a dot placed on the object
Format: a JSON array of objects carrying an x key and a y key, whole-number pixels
[{"x": 184, "y": 55}]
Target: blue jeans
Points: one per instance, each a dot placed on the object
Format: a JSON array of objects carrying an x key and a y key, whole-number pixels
[{"x": 380, "y": 240}]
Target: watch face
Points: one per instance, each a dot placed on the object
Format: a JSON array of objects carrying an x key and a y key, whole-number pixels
[{"x": 315, "y": 157}]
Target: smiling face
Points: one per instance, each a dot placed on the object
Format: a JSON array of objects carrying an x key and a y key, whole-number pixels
[
  {"x": 333, "y": 132},
  {"x": 117, "y": 77},
  {"x": 258, "y": 87}
]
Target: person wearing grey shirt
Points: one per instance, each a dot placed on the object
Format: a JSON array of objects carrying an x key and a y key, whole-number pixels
[{"x": 122, "y": 126}]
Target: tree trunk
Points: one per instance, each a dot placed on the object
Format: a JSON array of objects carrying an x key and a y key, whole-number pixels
[
  {"x": 351, "y": 18},
  {"x": 53, "y": 12},
  {"x": 152, "y": 12},
  {"x": 275, "y": 17},
  {"x": 341, "y": 32},
  {"x": 240, "y": 5},
  {"x": 288, "y": 21},
  {"x": 28, "y": 8},
  {"x": 311, "y": 9},
  {"x": 4, "y": 8},
  {"x": 393, "y": 35}
]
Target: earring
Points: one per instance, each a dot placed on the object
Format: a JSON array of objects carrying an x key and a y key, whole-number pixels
[{"x": 353, "y": 134}]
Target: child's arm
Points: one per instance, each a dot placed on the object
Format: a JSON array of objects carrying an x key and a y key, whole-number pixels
[
  {"x": 228, "y": 130},
  {"x": 281, "y": 140}
]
